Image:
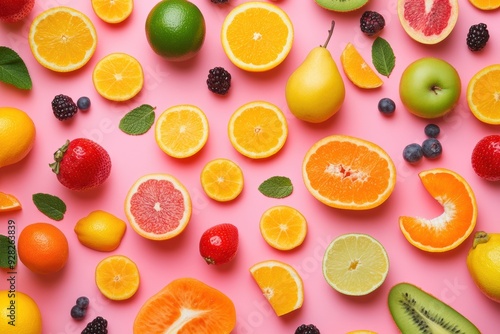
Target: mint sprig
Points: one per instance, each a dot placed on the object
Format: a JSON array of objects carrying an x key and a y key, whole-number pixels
[
  {"x": 13, "y": 70},
  {"x": 276, "y": 187},
  {"x": 50, "y": 205},
  {"x": 383, "y": 58},
  {"x": 138, "y": 121}
]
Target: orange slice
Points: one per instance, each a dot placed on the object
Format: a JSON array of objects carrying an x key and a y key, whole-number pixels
[
  {"x": 158, "y": 206},
  {"x": 257, "y": 36},
  {"x": 485, "y": 4},
  {"x": 9, "y": 202},
  {"x": 348, "y": 173},
  {"x": 454, "y": 225},
  {"x": 62, "y": 39},
  {"x": 357, "y": 69},
  {"x": 483, "y": 94},
  {"x": 355, "y": 264},
  {"x": 113, "y": 11},
  {"x": 258, "y": 129},
  {"x": 281, "y": 285},
  {"x": 117, "y": 277},
  {"x": 181, "y": 131},
  {"x": 118, "y": 77},
  {"x": 222, "y": 180},
  {"x": 283, "y": 227},
  {"x": 186, "y": 305}
]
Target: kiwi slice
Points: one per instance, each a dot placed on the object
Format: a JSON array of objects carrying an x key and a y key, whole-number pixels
[
  {"x": 415, "y": 311},
  {"x": 342, "y": 5}
]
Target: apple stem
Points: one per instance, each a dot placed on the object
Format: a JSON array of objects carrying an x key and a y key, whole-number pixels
[
  {"x": 330, "y": 33},
  {"x": 435, "y": 89}
]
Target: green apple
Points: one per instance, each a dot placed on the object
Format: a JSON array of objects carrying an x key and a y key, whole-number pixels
[{"x": 429, "y": 87}]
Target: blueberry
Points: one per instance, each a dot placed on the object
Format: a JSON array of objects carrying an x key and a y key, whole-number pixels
[
  {"x": 386, "y": 106},
  {"x": 83, "y": 103},
  {"x": 77, "y": 312},
  {"x": 431, "y": 148},
  {"x": 82, "y": 302},
  {"x": 413, "y": 153},
  {"x": 432, "y": 130}
]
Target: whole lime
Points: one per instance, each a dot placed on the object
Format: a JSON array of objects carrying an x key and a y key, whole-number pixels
[{"x": 175, "y": 29}]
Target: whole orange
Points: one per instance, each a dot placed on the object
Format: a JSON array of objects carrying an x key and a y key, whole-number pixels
[{"x": 43, "y": 248}]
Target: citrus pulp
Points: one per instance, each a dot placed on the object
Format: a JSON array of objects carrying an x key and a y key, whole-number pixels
[
  {"x": 283, "y": 227},
  {"x": 222, "y": 179},
  {"x": 9, "y": 202},
  {"x": 483, "y": 94},
  {"x": 357, "y": 70},
  {"x": 117, "y": 277},
  {"x": 113, "y": 11},
  {"x": 17, "y": 135}
]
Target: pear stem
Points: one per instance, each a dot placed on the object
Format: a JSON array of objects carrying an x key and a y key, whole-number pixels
[
  {"x": 480, "y": 237},
  {"x": 330, "y": 33}
]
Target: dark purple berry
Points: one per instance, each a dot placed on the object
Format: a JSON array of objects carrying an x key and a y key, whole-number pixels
[
  {"x": 412, "y": 153},
  {"x": 63, "y": 107},
  {"x": 477, "y": 37},
  {"x": 386, "y": 106},
  {"x": 83, "y": 103},
  {"x": 219, "y": 80},
  {"x": 77, "y": 312},
  {"x": 307, "y": 329},
  {"x": 82, "y": 302},
  {"x": 371, "y": 23},
  {"x": 431, "y": 148},
  {"x": 97, "y": 326},
  {"x": 432, "y": 130},
  {"x": 220, "y": 1}
]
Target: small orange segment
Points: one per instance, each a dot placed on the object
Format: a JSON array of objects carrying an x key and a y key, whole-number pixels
[
  {"x": 349, "y": 173},
  {"x": 448, "y": 230},
  {"x": 186, "y": 305},
  {"x": 117, "y": 277},
  {"x": 9, "y": 202},
  {"x": 357, "y": 69},
  {"x": 483, "y": 94}
]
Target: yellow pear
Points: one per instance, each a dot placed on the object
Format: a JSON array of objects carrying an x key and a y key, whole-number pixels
[{"x": 315, "y": 91}]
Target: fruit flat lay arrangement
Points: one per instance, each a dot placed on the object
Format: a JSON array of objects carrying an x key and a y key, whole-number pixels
[{"x": 232, "y": 166}]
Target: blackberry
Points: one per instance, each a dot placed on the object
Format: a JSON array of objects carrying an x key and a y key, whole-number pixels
[
  {"x": 431, "y": 148},
  {"x": 371, "y": 22},
  {"x": 63, "y": 107},
  {"x": 413, "y": 153},
  {"x": 97, "y": 326},
  {"x": 219, "y": 80},
  {"x": 477, "y": 37},
  {"x": 83, "y": 103},
  {"x": 307, "y": 329},
  {"x": 386, "y": 106},
  {"x": 432, "y": 130}
]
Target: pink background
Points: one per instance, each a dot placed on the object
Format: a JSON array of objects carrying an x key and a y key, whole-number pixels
[{"x": 167, "y": 84}]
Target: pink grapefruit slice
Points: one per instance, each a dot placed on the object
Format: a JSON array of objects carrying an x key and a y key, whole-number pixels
[
  {"x": 428, "y": 21},
  {"x": 158, "y": 206}
]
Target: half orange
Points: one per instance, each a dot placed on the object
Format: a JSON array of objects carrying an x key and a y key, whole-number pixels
[
  {"x": 349, "y": 173},
  {"x": 454, "y": 225}
]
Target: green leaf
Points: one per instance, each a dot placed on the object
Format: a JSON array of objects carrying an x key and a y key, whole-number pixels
[
  {"x": 138, "y": 121},
  {"x": 382, "y": 56},
  {"x": 13, "y": 70},
  {"x": 8, "y": 254},
  {"x": 276, "y": 187},
  {"x": 50, "y": 205}
]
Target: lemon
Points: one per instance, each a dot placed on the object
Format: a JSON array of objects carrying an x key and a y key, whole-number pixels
[
  {"x": 483, "y": 262},
  {"x": 19, "y": 313},
  {"x": 100, "y": 230},
  {"x": 17, "y": 135}
]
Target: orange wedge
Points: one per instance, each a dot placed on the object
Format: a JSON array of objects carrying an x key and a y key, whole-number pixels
[
  {"x": 357, "y": 69},
  {"x": 454, "y": 225},
  {"x": 483, "y": 94},
  {"x": 257, "y": 36},
  {"x": 283, "y": 227},
  {"x": 117, "y": 277},
  {"x": 348, "y": 173},
  {"x": 9, "y": 202},
  {"x": 62, "y": 39},
  {"x": 281, "y": 285},
  {"x": 113, "y": 11}
]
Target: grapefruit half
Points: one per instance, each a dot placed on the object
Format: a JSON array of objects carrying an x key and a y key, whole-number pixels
[
  {"x": 428, "y": 21},
  {"x": 158, "y": 206}
]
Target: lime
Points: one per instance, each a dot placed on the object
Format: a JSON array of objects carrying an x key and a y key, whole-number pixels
[{"x": 175, "y": 29}]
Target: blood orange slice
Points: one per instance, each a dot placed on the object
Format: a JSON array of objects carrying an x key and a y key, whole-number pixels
[
  {"x": 186, "y": 305},
  {"x": 158, "y": 206},
  {"x": 454, "y": 225},
  {"x": 428, "y": 21}
]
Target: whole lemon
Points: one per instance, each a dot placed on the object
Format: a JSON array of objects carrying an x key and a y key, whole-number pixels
[
  {"x": 175, "y": 29},
  {"x": 100, "y": 230},
  {"x": 19, "y": 313},
  {"x": 483, "y": 262},
  {"x": 17, "y": 135}
]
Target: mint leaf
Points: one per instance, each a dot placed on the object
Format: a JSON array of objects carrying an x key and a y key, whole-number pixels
[
  {"x": 8, "y": 254},
  {"x": 138, "y": 121},
  {"x": 50, "y": 205},
  {"x": 276, "y": 187},
  {"x": 383, "y": 57},
  {"x": 13, "y": 70}
]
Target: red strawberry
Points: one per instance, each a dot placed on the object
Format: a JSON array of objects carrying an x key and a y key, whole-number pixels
[
  {"x": 81, "y": 164},
  {"x": 486, "y": 158},
  {"x": 218, "y": 244},
  {"x": 15, "y": 10}
]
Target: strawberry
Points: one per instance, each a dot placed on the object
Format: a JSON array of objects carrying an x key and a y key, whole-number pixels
[
  {"x": 486, "y": 158},
  {"x": 218, "y": 244},
  {"x": 15, "y": 10},
  {"x": 81, "y": 164}
]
